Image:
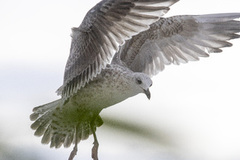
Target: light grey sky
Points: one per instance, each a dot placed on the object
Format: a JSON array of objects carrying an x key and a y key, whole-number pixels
[{"x": 196, "y": 104}]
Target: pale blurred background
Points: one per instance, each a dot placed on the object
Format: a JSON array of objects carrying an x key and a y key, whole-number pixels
[{"x": 194, "y": 113}]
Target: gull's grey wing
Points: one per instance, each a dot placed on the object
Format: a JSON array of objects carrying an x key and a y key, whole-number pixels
[
  {"x": 178, "y": 40},
  {"x": 106, "y": 27}
]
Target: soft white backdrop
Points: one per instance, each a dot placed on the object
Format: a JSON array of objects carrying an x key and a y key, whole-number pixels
[{"x": 196, "y": 105}]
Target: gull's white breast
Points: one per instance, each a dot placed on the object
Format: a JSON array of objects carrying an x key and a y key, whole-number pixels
[{"x": 112, "y": 86}]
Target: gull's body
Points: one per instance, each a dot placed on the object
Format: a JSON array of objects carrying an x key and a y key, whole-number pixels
[
  {"x": 114, "y": 53},
  {"x": 74, "y": 118}
]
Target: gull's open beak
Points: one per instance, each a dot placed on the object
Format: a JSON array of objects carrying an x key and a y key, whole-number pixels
[{"x": 148, "y": 94}]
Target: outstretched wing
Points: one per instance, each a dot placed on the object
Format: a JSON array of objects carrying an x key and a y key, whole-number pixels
[
  {"x": 106, "y": 27},
  {"x": 178, "y": 40}
]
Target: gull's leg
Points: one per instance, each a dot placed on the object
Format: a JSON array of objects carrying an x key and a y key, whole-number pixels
[
  {"x": 73, "y": 153},
  {"x": 95, "y": 144},
  {"x": 75, "y": 148}
]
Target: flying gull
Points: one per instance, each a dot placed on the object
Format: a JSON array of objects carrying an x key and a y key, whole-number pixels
[{"x": 114, "y": 53}]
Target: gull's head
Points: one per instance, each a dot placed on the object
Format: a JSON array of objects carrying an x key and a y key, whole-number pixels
[{"x": 143, "y": 83}]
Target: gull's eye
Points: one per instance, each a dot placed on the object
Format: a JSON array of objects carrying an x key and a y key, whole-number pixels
[{"x": 139, "y": 81}]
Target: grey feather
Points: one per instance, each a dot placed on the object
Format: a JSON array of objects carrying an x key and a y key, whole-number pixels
[
  {"x": 178, "y": 40},
  {"x": 104, "y": 29},
  {"x": 58, "y": 129}
]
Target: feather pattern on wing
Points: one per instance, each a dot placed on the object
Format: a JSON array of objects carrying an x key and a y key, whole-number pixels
[
  {"x": 178, "y": 40},
  {"x": 105, "y": 28}
]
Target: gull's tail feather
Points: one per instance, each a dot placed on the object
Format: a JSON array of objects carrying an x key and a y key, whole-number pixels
[
  {"x": 40, "y": 110},
  {"x": 58, "y": 126}
]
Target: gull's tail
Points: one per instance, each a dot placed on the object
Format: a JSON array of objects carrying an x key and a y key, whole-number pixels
[{"x": 62, "y": 124}]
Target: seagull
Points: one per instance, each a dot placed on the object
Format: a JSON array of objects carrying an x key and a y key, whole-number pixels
[{"x": 114, "y": 53}]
